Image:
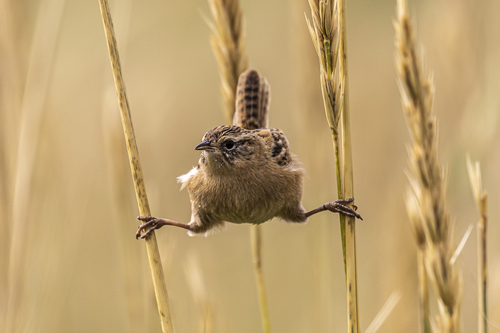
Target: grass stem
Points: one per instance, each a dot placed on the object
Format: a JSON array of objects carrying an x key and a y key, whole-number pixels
[
  {"x": 323, "y": 29},
  {"x": 340, "y": 195},
  {"x": 228, "y": 42},
  {"x": 39, "y": 73},
  {"x": 229, "y": 46},
  {"x": 482, "y": 268},
  {"x": 328, "y": 31},
  {"x": 347, "y": 169},
  {"x": 159, "y": 284},
  {"x": 256, "y": 241},
  {"x": 423, "y": 292},
  {"x": 425, "y": 201},
  {"x": 481, "y": 198}
]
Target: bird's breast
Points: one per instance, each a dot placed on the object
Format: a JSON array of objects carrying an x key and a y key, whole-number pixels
[{"x": 248, "y": 197}]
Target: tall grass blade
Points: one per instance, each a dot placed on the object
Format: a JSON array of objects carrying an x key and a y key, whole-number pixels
[
  {"x": 425, "y": 202},
  {"x": 135, "y": 166},
  {"x": 481, "y": 199}
]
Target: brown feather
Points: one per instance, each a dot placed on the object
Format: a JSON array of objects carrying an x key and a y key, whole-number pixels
[{"x": 253, "y": 98}]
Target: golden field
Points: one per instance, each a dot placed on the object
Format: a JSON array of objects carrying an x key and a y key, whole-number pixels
[{"x": 69, "y": 260}]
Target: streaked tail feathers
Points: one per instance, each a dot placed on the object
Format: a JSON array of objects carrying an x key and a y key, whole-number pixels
[{"x": 253, "y": 97}]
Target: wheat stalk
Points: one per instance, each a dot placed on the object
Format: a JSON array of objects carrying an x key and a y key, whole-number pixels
[
  {"x": 426, "y": 198},
  {"x": 413, "y": 209},
  {"x": 132, "y": 253},
  {"x": 198, "y": 287},
  {"x": 135, "y": 165},
  {"x": 132, "y": 263},
  {"x": 228, "y": 41},
  {"x": 384, "y": 312},
  {"x": 228, "y": 44},
  {"x": 324, "y": 34},
  {"x": 328, "y": 31},
  {"x": 480, "y": 198},
  {"x": 256, "y": 243},
  {"x": 10, "y": 97},
  {"x": 33, "y": 103},
  {"x": 348, "y": 180}
]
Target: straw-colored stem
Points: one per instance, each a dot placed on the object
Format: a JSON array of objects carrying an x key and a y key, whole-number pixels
[
  {"x": 207, "y": 322},
  {"x": 323, "y": 29},
  {"x": 339, "y": 195},
  {"x": 482, "y": 268},
  {"x": 425, "y": 201},
  {"x": 350, "y": 225},
  {"x": 33, "y": 104},
  {"x": 480, "y": 199},
  {"x": 256, "y": 236},
  {"x": 256, "y": 244},
  {"x": 229, "y": 46},
  {"x": 384, "y": 312},
  {"x": 10, "y": 97},
  {"x": 196, "y": 280},
  {"x": 132, "y": 255},
  {"x": 423, "y": 292},
  {"x": 140, "y": 189}
]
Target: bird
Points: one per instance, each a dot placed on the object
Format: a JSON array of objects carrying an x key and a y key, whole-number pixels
[{"x": 246, "y": 172}]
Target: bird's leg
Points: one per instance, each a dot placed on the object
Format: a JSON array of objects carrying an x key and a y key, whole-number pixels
[
  {"x": 153, "y": 223},
  {"x": 337, "y": 206}
]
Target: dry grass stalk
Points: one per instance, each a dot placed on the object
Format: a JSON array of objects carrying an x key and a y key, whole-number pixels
[
  {"x": 198, "y": 287},
  {"x": 426, "y": 200},
  {"x": 324, "y": 34},
  {"x": 328, "y": 31},
  {"x": 229, "y": 45},
  {"x": 256, "y": 242},
  {"x": 384, "y": 312},
  {"x": 132, "y": 253},
  {"x": 10, "y": 99},
  {"x": 413, "y": 209},
  {"x": 306, "y": 98},
  {"x": 348, "y": 180},
  {"x": 140, "y": 188},
  {"x": 33, "y": 103},
  {"x": 480, "y": 197}
]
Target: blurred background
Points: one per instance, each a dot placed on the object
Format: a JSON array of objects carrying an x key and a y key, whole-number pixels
[{"x": 69, "y": 261}]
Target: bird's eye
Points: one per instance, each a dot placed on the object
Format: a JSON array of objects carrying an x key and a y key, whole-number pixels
[{"x": 229, "y": 144}]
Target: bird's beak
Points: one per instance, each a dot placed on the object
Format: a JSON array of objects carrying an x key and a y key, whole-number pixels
[{"x": 203, "y": 146}]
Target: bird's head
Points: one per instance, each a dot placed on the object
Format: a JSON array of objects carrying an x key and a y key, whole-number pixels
[{"x": 230, "y": 148}]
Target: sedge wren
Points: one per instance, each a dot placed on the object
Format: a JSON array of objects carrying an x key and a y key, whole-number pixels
[{"x": 246, "y": 172}]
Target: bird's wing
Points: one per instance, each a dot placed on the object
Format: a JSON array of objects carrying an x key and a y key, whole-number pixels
[{"x": 277, "y": 145}]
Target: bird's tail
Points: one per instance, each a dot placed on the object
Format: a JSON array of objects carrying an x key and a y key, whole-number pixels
[{"x": 253, "y": 97}]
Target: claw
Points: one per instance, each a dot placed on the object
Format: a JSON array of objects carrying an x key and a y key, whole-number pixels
[
  {"x": 339, "y": 207},
  {"x": 151, "y": 223},
  {"x": 348, "y": 200},
  {"x": 146, "y": 218}
]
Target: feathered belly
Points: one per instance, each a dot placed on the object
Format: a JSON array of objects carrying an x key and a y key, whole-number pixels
[
  {"x": 243, "y": 202},
  {"x": 256, "y": 215},
  {"x": 248, "y": 199}
]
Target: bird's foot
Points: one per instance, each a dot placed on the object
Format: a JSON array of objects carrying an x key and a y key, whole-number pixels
[
  {"x": 340, "y": 206},
  {"x": 150, "y": 224}
]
